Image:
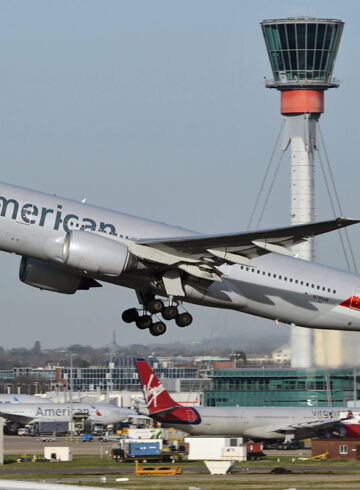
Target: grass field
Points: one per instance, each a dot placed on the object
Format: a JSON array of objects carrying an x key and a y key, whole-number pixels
[{"x": 89, "y": 469}]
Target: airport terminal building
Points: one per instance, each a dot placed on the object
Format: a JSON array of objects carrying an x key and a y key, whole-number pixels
[{"x": 282, "y": 387}]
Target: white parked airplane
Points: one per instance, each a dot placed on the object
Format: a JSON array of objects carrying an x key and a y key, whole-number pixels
[
  {"x": 259, "y": 423},
  {"x": 68, "y": 245},
  {"x": 25, "y": 413}
]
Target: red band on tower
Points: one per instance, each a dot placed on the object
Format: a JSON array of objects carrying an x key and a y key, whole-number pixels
[{"x": 302, "y": 101}]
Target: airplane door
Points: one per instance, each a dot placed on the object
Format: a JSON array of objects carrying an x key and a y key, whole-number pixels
[{"x": 355, "y": 299}]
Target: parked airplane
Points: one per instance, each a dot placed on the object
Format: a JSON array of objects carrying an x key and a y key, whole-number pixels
[
  {"x": 68, "y": 245},
  {"x": 259, "y": 423},
  {"x": 20, "y": 414}
]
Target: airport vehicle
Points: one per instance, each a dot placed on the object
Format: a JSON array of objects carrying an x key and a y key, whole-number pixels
[
  {"x": 87, "y": 438},
  {"x": 132, "y": 450},
  {"x": 255, "y": 451},
  {"x": 41, "y": 428},
  {"x": 157, "y": 470},
  {"x": 20, "y": 414},
  {"x": 68, "y": 246},
  {"x": 256, "y": 423}
]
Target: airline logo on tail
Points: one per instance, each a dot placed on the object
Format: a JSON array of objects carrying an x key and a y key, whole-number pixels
[
  {"x": 160, "y": 404},
  {"x": 152, "y": 390}
]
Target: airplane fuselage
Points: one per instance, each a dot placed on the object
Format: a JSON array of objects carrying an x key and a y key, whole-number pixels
[
  {"x": 64, "y": 412},
  {"x": 287, "y": 289},
  {"x": 261, "y": 423}
]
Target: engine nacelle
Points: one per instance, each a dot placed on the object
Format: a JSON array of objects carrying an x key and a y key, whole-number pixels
[
  {"x": 95, "y": 254},
  {"x": 43, "y": 275}
]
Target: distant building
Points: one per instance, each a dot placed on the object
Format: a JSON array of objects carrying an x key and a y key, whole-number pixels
[{"x": 281, "y": 387}]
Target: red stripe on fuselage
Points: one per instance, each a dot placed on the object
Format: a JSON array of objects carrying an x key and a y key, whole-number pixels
[{"x": 353, "y": 302}]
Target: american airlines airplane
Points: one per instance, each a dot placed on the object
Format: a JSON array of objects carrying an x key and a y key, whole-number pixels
[
  {"x": 68, "y": 246},
  {"x": 20, "y": 414},
  {"x": 257, "y": 423}
]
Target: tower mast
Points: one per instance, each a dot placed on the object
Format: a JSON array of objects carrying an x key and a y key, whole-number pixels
[{"x": 302, "y": 54}]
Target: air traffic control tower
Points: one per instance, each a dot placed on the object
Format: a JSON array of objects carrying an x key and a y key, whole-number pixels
[{"x": 302, "y": 54}]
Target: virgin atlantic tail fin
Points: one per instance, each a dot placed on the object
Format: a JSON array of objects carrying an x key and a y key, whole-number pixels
[{"x": 157, "y": 398}]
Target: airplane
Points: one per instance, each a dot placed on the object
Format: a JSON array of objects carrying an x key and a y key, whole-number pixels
[
  {"x": 20, "y": 414},
  {"x": 68, "y": 246},
  {"x": 256, "y": 423}
]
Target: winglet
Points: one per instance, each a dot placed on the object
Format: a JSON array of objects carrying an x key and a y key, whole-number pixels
[{"x": 157, "y": 398}]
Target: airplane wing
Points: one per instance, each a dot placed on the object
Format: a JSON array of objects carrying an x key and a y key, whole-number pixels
[
  {"x": 309, "y": 427},
  {"x": 199, "y": 255},
  {"x": 11, "y": 417}
]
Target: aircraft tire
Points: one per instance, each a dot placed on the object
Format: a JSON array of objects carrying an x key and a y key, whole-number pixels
[
  {"x": 144, "y": 322},
  {"x": 184, "y": 320},
  {"x": 130, "y": 315},
  {"x": 170, "y": 313},
  {"x": 155, "y": 306},
  {"x": 158, "y": 328}
]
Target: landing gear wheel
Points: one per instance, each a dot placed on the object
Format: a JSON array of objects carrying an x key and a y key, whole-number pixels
[
  {"x": 144, "y": 322},
  {"x": 155, "y": 306},
  {"x": 184, "y": 319},
  {"x": 158, "y": 328},
  {"x": 170, "y": 313},
  {"x": 130, "y": 315}
]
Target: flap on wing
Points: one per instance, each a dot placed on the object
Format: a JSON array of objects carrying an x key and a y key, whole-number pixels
[{"x": 245, "y": 244}]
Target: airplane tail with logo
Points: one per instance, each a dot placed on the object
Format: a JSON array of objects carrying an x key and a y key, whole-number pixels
[{"x": 157, "y": 398}]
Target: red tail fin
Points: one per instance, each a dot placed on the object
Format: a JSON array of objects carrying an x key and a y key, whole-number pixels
[{"x": 157, "y": 398}]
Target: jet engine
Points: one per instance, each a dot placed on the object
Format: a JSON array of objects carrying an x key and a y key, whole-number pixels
[
  {"x": 95, "y": 254},
  {"x": 43, "y": 275}
]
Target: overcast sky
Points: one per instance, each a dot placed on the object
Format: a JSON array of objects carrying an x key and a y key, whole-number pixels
[{"x": 157, "y": 109}]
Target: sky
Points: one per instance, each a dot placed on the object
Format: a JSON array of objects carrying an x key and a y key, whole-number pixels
[{"x": 157, "y": 109}]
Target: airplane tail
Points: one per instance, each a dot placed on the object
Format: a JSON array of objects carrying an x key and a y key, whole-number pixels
[{"x": 157, "y": 398}]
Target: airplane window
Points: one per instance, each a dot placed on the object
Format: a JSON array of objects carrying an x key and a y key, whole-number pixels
[
  {"x": 269, "y": 274},
  {"x": 302, "y": 283},
  {"x": 252, "y": 270},
  {"x": 307, "y": 284},
  {"x": 274, "y": 275},
  {"x": 323, "y": 288},
  {"x": 318, "y": 287},
  {"x": 285, "y": 278},
  {"x": 242, "y": 266},
  {"x": 247, "y": 268},
  {"x": 290, "y": 279},
  {"x": 280, "y": 277},
  {"x": 263, "y": 273},
  {"x": 334, "y": 291},
  {"x": 329, "y": 290},
  {"x": 296, "y": 281},
  {"x": 258, "y": 271},
  {"x": 312, "y": 285}
]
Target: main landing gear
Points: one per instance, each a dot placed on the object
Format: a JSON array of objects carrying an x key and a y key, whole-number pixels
[{"x": 154, "y": 308}]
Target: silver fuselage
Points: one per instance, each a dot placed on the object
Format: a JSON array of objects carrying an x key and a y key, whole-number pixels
[
  {"x": 64, "y": 412},
  {"x": 262, "y": 422}
]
